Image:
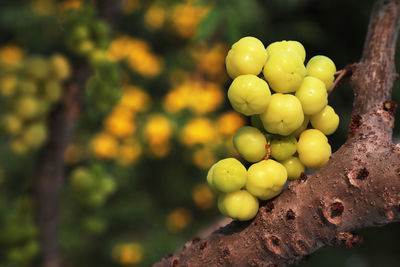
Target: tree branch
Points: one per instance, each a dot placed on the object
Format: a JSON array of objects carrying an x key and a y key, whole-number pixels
[{"x": 358, "y": 188}]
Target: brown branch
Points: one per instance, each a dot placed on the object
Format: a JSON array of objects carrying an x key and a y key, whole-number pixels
[
  {"x": 50, "y": 174},
  {"x": 358, "y": 188}
]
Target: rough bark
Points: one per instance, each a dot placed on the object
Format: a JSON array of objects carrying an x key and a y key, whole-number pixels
[
  {"x": 50, "y": 174},
  {"x": 359, "y": 187}
]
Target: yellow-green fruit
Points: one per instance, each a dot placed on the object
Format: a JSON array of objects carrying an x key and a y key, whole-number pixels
[
  {"x": 37, "y": 68},
  {"x": 221, "y": 206},
  {"x": 302, "y": 127},
  {"x": 249, "y": 94},
  {"x": 284, "y": 71},
  {"x": 18, "y": 146},
  {"x": 282, "y": 147},
  {"x": 247, "y": 56},
  {"x": 27, "y": 87},
  {"x": 250, "y": 143},
  {"x": 265, "y": 179},
  {"x": 107, "y": 185},
  {"x": 12, "y": 124},
  {"x": 80, "y": 33},
  {"x": 292, "y": 46},
  {"x": 313, "y": 149},
  {"x": 229, "y": 175},
  {"x": 85, "y": 47},
  {"x": 322, "y": 68},
  {"x": 52, "y": 90},
  {"x": 27, "y": 107},
  {"x": 98, "y": 56},
  {"x": 35, "y": 135},
  {"x": 294, "y": 167},
  {"x": 94, "y": 225},
  {"x": 210, "y": 183},
  {"x": 59, "y": 67},
  {"x": 95, "y": 198},
  {"x": 327, "y": 121},
  {"x": 239, "y": 205},
  {"x": 283, "y": 115},
  {"x": 81, "y": 179},
  {"x": 312, "y": 95}
]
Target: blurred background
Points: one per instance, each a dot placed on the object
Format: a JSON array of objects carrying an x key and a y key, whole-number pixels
[{"x": 154, "y": 117}]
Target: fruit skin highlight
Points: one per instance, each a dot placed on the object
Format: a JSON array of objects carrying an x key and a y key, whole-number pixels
[
  {"x": 229, "y": 175},
  {"x": 327, "y": 121},
  {"x": 288, "y": 46},
  {"x": 284, "y": 123},
  {"x": 284, "y": 71},
  {"x": 323, "y": 68},
  {"x": 247, "y": 56},
  {"x": 250, "y": 143},
  {"x": 313, "y": 149},
  {"x": 312, "y": 95},
  {"x": 266, "y": 179},
  {"x": 239, "y": 205},
  {"x": 249, "y": 94}
]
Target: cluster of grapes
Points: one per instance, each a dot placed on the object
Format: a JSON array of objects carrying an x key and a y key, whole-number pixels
[
  {"x": 279, "y": 122},
  {"x": 18, "y": 234},
  {"x": 89, "y": 37},
  {"x": 38, "y": 87}
]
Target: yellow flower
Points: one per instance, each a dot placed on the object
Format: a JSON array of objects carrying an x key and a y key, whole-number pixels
[
  {"x": 70, "y": 4},
  {"x": 186, "y": 17},
  {"x": 229, "y": 122},
  {"x": 154, "y": 17},
  {"x": 135, "y": 99},
  {"x": 178, "y": 219},
  {"x": 73, "y": 154},
  {"x": 129, "y": 152},
  {"x": 202, "y": 196},
  {"x": 205, "y": 97},
  {"x": 104, "y": 146},
  {"x": 10, "y": 56},
  {"x": 203, "y": 158},
  {"x": 198, "y": 131},
  {"x": 119, "y": 124},
  {"x": 129, "y": 6},
  {"x": 159, "y": 150},
  {"x": 157, "y": 130},
  {"x": 128, "y": 253},
  {"x": 8, "y": 85}
]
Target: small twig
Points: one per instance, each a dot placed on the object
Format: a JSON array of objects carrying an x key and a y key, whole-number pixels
[{"x": 344, "y": 74}]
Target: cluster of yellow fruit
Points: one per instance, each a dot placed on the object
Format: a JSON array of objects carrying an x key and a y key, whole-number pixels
[
  {"x": 92, "y": 185},
  {"x": 30, "y": 93},
  {"x": 279, "y": 122}
]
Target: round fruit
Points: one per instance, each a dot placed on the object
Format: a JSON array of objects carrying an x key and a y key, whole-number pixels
[
  {"x": 284, "y": 71},
  {"x": 27, "y": 87},
  {"x": 312, "y": 95},
  {"x": 81, "y": 179},
  {"x": 250, "y": 143},
  {"x": 294, "y": 167},
  {"x": 229, "y": 175},
  {"x": 52, "y": 90},
  {"x": 210, "y": 176},
  {"x": 303, "y": 126},
  {"x": 313, "y": 149},
  {"x": 291, "y": 46},
  {"x": 26, "y": 107},
  {"x": 37, "y": 68},
  {"x": 282, "y": 147},
  {"x": 247, "y": 56},
  {"x": 239, "y": 205},
  {"x": 323, "y": 68},
  {"x": 283, "y": 115},
  {"x": 249, "y": 94},
  {"x": 59, "y": 67},
  {"x": 266, "y": 179},
  {"x": 326, "y": 120},
  {"x": 35, "y": 135},
  {"x": 12, "y": 124}
]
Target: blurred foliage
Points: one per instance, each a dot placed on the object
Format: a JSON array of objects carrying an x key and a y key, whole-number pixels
[{"x": 155, "y": 117}]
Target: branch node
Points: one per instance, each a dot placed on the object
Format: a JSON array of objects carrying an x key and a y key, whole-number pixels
[
  {"x": 290, "y": 214},
  {"x": 303, "y": 177},
  {"x": 390, "y": 106},
  {"x": 362, "y": 174},
  {"x": 349, "y": 239},
  {"x": 203, "y": 245},
  {"x": 355, "y": 123},
  {"x": 196, "y": 240},
  {"x": 336, "y": 209}
]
